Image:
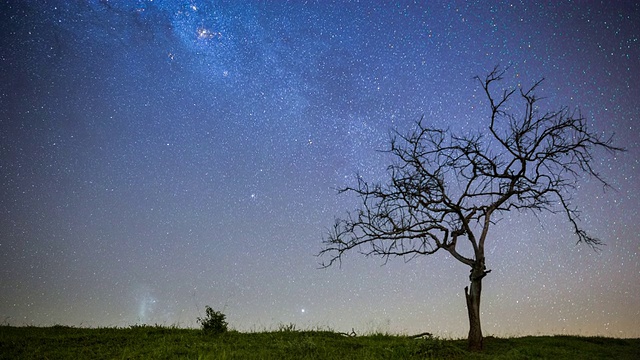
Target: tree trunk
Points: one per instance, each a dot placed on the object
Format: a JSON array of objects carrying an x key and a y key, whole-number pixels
[{"x": 473, "y": 306}]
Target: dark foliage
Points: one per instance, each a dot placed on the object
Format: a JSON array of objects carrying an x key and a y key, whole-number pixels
[{"x": 214, "y": 322}]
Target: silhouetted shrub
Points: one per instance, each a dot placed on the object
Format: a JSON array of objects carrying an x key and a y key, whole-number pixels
[{"x": 214, "y": 322}]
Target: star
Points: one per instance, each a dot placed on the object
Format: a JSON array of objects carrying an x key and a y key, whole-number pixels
[{"x": 215, "y": 136}]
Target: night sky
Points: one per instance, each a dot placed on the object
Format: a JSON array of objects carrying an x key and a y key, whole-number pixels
[{"x": 160, "y": 156}]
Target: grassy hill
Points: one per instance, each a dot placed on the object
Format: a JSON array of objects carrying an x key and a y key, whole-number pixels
[{"x": 156, "y": 342}]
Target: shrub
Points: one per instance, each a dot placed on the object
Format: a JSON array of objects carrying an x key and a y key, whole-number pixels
[{"x": 214, "y": 322}]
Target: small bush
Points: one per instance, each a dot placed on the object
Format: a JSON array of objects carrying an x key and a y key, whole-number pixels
[{"x": 214, "y": 322}]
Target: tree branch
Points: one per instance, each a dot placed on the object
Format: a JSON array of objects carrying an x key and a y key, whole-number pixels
[{"x": 443, "y": 187}]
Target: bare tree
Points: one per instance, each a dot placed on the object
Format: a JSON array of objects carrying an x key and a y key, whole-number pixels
[{"x": 446, "y": 189}]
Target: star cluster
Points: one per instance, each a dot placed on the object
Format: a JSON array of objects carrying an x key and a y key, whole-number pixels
[{"x": 160, "y": 156}]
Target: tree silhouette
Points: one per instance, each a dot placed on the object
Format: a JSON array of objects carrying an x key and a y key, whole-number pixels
[{"x": 445, "y": 189}]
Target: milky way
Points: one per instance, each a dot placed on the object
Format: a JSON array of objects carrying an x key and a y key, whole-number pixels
[{"x": 160, "y": 156}]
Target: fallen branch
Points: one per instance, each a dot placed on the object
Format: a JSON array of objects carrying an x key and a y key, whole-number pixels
[
  {"x": 351, "y": 334},
  {"x": 423, "y": 335}
]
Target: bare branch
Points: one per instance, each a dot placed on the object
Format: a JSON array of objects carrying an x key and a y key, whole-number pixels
[{"x": 444, "y": 187}]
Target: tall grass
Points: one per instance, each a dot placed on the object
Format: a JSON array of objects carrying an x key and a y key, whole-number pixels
[{"x": 159, "y": 342}]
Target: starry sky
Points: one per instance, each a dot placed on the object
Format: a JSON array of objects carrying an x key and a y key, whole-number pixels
[{"x": 160, "y": 156}]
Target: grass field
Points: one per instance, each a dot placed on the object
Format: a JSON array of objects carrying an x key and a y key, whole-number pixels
[{"x": 157, "y": 342}]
